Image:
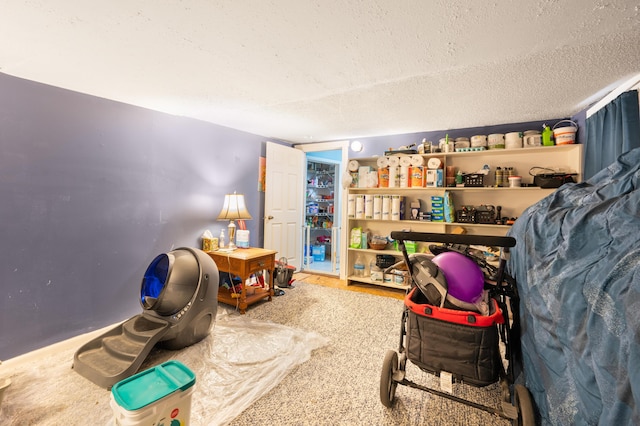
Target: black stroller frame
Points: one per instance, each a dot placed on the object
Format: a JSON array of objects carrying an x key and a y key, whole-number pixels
[{"x": 516, "y": 403}]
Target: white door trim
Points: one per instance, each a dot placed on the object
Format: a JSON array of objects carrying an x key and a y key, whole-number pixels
[{"x": 329, "y": 146}]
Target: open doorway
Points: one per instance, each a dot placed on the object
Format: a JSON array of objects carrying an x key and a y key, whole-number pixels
[
  {"x": 323, "y": 241},
  {"x": 321, "y": 235}
]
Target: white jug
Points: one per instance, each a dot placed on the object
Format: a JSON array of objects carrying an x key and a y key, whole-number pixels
[{"x": 532, "y": 138}]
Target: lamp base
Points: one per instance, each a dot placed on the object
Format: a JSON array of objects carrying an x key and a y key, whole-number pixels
[
  {"x": 227, "y": 250},
  {"x": 232, "y": 236}
]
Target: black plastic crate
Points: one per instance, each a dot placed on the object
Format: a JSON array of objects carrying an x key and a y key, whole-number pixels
[
  {"x": 473, "y": 179},
  {"x": 383, "y": 261},
  {"x": 486, "y": 214},
  {"x": 466, "y": 215}
]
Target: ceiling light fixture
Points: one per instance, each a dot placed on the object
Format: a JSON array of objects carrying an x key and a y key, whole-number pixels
[{"x": 356, "y": 146}]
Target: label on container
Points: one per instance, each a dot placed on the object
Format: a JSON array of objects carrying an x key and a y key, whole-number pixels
[
  {"x": 359, "y": 206},
  {"x": 396, "y": 206},
  {"x": 377, "y": 207},
  {"x": 394, "y": 176},
  {"x": 383, "y": 177},
  {"x": 368, "y": 206},
  {"x": 386, "y": 207},
  {"x": 404, "y": 177},
  {"x": 377, "y": 276},
  {"x": 417, "y": 177}
]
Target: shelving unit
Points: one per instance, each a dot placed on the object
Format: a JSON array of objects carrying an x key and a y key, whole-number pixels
[
  {"x": 513, "y": 201},
  {"x": 319, "y": 233}
]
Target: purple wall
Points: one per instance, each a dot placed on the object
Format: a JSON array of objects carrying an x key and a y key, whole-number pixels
[{"x": 91, "y": 191}]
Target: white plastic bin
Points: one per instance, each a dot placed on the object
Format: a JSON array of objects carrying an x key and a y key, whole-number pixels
[
  {"x": 318, "y": 253},
  {"x": 159, "y": 395}
]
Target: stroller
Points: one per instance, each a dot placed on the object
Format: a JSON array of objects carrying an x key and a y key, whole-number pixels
[{"x": 457, "y": 311}]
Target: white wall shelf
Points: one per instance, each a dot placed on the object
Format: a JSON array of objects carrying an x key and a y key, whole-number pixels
[{"x": 512, "y": 201}]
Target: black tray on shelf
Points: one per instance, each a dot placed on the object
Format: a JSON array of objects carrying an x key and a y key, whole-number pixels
[{"x": 401, "y": 151}]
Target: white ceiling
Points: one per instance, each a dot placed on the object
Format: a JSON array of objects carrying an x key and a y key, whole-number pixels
[{"x": 317, "y": 70}]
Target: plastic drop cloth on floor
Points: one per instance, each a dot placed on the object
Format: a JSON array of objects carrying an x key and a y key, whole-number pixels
[{"x": 240, "y": 361}]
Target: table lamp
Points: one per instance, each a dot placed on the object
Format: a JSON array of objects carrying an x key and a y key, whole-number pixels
[{"x": 233, "y": 208}]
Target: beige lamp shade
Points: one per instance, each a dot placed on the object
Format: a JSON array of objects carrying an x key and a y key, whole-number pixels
[{"x": 234, "y": 208}]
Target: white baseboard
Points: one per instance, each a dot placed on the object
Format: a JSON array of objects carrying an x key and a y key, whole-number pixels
[{"x": 38, "y": 354}]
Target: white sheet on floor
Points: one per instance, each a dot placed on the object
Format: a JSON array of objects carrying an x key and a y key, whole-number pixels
[{"x": 238, "y": 363}]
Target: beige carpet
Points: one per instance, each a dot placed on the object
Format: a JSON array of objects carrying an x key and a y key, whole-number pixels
[
  {"x": 234, "y": 366},
  {"x": 340, "y": 384},
  {"x": 310, "y": 357}
]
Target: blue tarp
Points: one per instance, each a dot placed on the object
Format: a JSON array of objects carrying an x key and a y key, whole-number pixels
[{"x": 577, "y": 265}]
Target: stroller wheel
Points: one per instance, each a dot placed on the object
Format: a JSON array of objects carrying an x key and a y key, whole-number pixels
[
  {"x": 524, "y": 404},
  {"x": 387, "y": 385}
]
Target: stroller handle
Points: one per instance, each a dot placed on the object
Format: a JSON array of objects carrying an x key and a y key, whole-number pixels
[{"x": 485, "y": 240}]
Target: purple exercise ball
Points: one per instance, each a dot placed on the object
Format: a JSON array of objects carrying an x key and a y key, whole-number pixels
[{"x": 465, "y": 280}]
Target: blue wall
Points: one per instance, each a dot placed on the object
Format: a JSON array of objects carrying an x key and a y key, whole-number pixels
[{"x": 91, "y": 191}]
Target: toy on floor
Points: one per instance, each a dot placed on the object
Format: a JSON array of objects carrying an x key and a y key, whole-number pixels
[{"x": 284, "y": 273}]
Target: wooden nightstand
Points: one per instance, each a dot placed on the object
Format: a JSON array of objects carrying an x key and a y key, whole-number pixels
[{"x": 242, "y": 263}]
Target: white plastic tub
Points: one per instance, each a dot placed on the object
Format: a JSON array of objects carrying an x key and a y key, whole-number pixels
[
  {"x": 565, "y": 135},
  {"x": 160, "y": 395}
]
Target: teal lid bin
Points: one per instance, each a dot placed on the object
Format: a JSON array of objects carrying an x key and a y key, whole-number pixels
[{"x": 149, "y": 386}]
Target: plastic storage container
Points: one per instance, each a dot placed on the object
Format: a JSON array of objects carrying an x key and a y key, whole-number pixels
[
  {"x": 318, "y": 252},
  {"x": 375, "y": 271},
  {"x": 242, "y": 238},
  {"x": 359, "y": 267},
  {"x": 221, "y": 241},
  {"x": 159, "y": 395}
]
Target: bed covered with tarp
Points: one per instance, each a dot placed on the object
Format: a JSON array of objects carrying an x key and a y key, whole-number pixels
[{"x": 577, "y": 266}]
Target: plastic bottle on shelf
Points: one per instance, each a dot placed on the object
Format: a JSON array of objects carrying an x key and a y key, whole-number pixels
[
  {"x": 499, "y": 176},
  {"x": 547, "y": 136},
  {"x": 222, "y": 242},
  {"x": 375, "y": 271},
  {"x": 359, "y": 267}
]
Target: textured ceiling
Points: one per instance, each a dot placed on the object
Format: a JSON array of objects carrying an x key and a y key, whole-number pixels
[{"x": 303, "y": 70}]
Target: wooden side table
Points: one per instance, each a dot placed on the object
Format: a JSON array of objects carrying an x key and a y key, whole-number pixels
[{"x": 243, "y": 262}]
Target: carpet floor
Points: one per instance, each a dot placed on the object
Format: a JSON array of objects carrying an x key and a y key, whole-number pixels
[
  {"x": 312, "y": 356},
  {"x": 340, "y": 384}
]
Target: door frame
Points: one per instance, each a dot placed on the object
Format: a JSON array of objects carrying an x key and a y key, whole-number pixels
[
  {"x": 344, "y": 147},
  {"x": 335, "y": 242}
]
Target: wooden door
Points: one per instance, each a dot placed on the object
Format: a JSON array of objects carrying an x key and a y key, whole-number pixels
[{"x": 283, "y": 210}]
